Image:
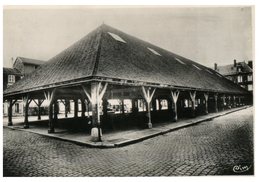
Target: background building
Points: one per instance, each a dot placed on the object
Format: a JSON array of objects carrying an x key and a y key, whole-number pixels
[
  {"x": 21, "y": 67},
  {"x": 26, "y": 65},
  {"x": 238, "y": 72}
]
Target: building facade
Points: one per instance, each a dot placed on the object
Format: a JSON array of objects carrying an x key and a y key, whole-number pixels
[{"x": 10, "y": 76}]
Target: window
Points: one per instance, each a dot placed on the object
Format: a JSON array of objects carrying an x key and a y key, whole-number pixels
[
  {"x": 153, "y": 51},
  {"x": 11, "y": 78},
  {"x": 180, "y": 61},
  {"x": 239, "y": 79},
  {"x": 249, "y": 78},
  {"x": 250, "y": 87},
  {"x": 196, "y": 66},
  {"x": 116, "y": 37}
]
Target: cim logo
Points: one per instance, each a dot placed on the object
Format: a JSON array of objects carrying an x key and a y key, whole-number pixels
[{"x": 241, "y": 168}]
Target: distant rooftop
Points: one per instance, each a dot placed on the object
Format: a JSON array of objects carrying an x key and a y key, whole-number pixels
[
  {"x": 31, "y": 61},
  {"x": 11, "y": 71},
  {"x": 230, "y": 69}
]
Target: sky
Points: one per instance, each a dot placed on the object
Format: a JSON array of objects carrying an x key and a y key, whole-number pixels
[{"x": 206, "y": 35}]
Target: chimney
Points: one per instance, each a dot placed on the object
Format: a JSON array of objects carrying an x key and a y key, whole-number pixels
[
  {"x": 250, "y": 64},
  {"x": 235, "y": 63},
  {"x": 12, "y": 61},
  {"x": 215, "y": 66}
]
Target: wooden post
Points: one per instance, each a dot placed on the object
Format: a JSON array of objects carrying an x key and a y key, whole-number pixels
[
  {"x": 160, "y": 104},
  {"x": 170, "y": 104},
  {"x": 39, "y": 108},
  {"x": 175, "y": 96},
  {"x": 10, "y": 112},
  {"x": 239, "y": 101},
  {"x": 223, "y": 102},
  {"x": 49, "y": 96},
  {"x": 56, "y": 111},
  {"x": 95, "y": 96},
  {"x": 234, "y": 101},
  {"x": 148, "y": 97},
  {"x": 216, "y": 102},
  {"x": 123, "y": 106},
  {"x": 104, "y": 106},
  {"x": 193, "y": 99},
  {"x": 76, "y": 107},
  {"x": 67, "y": 107},
  {"x": 154, "y": 105},
  {"x": 206, "y": 97},
  {"x": 229, "y": 101},
  {"x": 83, "y": 107},
  {"x": 88, "y": 102},
  {"x": 26, "y": 103}
]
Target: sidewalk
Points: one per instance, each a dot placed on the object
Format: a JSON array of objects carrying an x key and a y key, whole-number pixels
[{"x": 121, "y": 138}]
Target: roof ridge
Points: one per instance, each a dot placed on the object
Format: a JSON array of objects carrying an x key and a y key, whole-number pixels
[{"x": 94, "y": 72}]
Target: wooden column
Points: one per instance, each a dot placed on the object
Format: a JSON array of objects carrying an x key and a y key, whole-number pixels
[
  {"x": 83, "y": 107},
  {"x": 170, "y": 104},
  {"x": 159, "y": 104},
  {"x": 123, "y": 106},
  {"x": 234, "y": 101},
  {"x": 223, "y": 102},
  {"x": 49, "y": 96},
  {"x": 134, "y": 106},
  {"x": 39, "y": 108},
  {"x": 26, "y": 103},
  {"x": 88, "y": 102},
  {"x": 76, "y": 108},
  {"x": 10, "y": 111},
  {"x": 239, "y": 100},
  {"x": 216, "y": 102},
  {"x": 148, "y": 97},
  {"x": 67, "y": 107},
  {"x": 154, "y": 104},
  {"x": 206, "y": 97},
  {"x": 39, "y": 103},
  {"x": 229, "y": 102},
  {"x": 175, "y": 95},
  {"x": 104, "y": 106},
  {"x": 95, "y": 96},
  {"x": 56, "y": 111},
  {"x": 193, "y": 99}
]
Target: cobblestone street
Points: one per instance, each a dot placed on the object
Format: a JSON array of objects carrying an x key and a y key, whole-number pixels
[{"x": 209, "y": 148}]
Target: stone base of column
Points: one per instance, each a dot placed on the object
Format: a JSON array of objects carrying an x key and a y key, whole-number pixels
[
  {"x": 150, "y": 125},
  {"x": 26, "y": 126},
  {"x": 175, "y": 118},
  {"x": 94, "y": 134},
  {"x": 51, "y": 131},
  {"x": 9, "y": 124}
]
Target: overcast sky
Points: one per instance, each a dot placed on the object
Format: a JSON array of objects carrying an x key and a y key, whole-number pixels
[{"x": 205, "y": 35}]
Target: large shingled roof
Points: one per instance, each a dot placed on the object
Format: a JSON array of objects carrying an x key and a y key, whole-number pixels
[{"x": 109, "y": 53}]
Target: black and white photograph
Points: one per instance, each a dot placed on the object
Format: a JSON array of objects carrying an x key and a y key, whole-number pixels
[{"x": 128, "y": 91}]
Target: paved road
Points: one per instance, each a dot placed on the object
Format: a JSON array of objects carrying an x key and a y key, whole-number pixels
[{"x": 209, "y": 148}]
